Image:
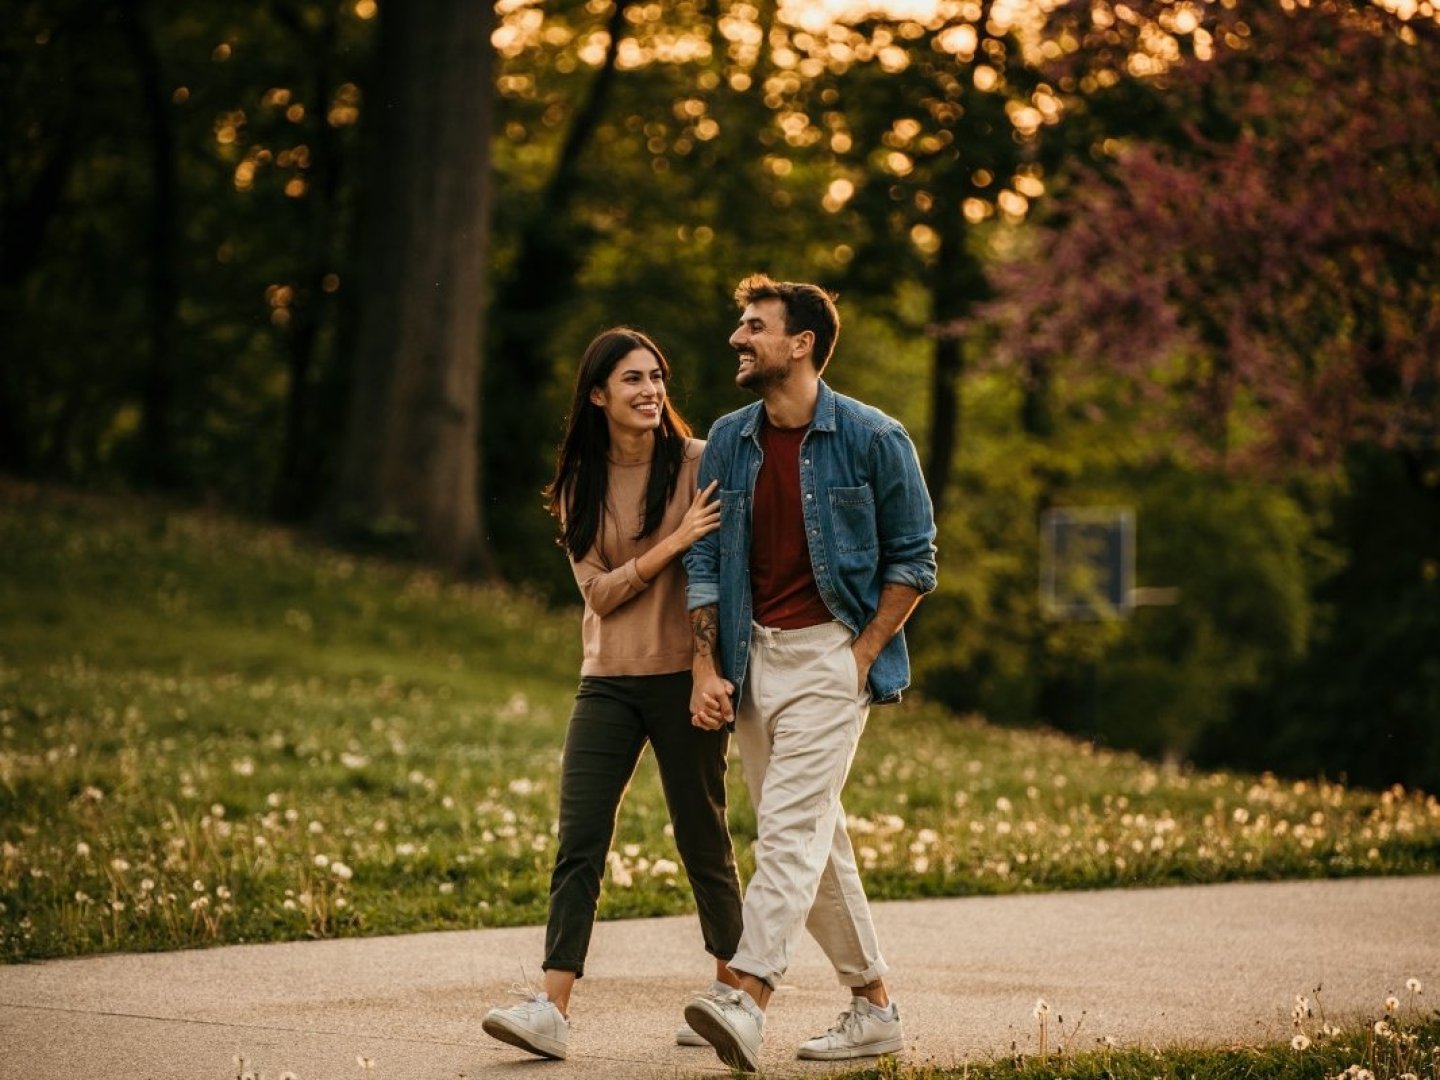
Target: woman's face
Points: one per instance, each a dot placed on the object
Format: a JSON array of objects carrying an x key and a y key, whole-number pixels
[{"x": 633, "y": 397}]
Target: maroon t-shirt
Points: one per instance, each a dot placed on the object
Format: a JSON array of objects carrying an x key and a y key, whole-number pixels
[{"x": 782, "y": 582}]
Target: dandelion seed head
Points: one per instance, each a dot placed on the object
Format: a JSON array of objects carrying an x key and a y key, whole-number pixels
[
  {"x": 1392, "y": 1003},
  {"x": 1041, "y": 1008},
  {"x": 1413, "y": 985},
  {"x": 82, "y": 849},
  {"x": 1382, "y": 1028},
  {"x": 1300, "y": 1042},
  {"x": 322, "y": 861},
  {"x": 341, "y": 871}
]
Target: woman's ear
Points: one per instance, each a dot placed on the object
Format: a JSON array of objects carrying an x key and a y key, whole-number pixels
[{"x": 597, "y": 396}]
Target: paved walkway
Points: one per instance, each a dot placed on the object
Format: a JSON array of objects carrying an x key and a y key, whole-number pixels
[{"x": 1207, "y": 964}]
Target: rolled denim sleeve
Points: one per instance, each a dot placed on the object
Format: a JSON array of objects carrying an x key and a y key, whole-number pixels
[
  {"x": 903, "y": 512},
  {"x": 702, "y": 561}
]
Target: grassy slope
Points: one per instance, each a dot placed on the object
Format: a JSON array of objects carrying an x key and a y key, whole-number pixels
[{"x": 200, "y": 718}]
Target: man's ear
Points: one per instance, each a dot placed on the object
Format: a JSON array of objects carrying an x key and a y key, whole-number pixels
[{"x": 802, "y": 344}]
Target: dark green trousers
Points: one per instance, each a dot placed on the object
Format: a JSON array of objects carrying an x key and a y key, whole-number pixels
[{"x": 613, "y": 718}]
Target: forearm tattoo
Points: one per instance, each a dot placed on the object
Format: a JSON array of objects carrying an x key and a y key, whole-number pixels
[{"x": 705, "y": 622}]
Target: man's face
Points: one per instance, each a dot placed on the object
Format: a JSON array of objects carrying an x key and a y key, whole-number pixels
[{"x": 764, "y": 348}]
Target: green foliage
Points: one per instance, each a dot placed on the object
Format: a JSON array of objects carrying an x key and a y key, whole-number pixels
[
  {"x": 212, "y": 732},
  {"x": 1362, "y": 701}
]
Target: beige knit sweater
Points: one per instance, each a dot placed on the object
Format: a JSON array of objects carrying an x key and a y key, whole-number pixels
[{"x": 631, "y": 626}]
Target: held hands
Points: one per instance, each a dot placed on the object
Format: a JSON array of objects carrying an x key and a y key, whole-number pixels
[
  {"x": 702, "y": 518},
  {"x": 710, "y": 702}
]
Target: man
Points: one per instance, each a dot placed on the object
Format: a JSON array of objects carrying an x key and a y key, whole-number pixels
[{"x": 825, "y": 547}]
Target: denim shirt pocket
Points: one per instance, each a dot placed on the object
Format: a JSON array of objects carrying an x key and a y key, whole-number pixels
[
  {"x": 734, "y": 506},
  {"x": 853, "y": 512}
]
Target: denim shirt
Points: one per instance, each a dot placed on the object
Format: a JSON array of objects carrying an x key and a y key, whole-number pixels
[{"x": 868, "y": 521}]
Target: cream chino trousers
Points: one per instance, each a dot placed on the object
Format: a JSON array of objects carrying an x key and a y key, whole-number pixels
[{"x": 797, "y": 728}]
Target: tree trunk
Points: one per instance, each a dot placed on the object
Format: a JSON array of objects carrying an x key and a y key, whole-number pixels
[
  {"x": 158, "y": 389},
  {"x": 956, "y": 282},
  {"x": 410, "y": 457},
  {"x": 298, "y": 477}
]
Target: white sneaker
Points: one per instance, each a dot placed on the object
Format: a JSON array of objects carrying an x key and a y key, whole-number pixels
[
  {"x": 685, "y": 1035},
  {"x": 732, "y": 1023},
  {"x": 535, "y": 1025},
  {"x": 861, "y": 1031}
]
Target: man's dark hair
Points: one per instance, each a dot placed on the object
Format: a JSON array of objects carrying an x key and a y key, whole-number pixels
[{"x": 807, "y": 307}]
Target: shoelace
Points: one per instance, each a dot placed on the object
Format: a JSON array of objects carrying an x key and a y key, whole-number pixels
[
  {"x": 845, "y": 1021},
  {"x": 529, "y": 994}
]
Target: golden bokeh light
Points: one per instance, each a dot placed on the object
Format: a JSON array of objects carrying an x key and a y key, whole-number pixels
[
  {"x": 925, "y": 239},
  {"x": 837, "y": 194}
]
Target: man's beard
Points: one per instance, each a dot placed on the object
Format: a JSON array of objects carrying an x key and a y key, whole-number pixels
[{"x": 757, "y": 380}]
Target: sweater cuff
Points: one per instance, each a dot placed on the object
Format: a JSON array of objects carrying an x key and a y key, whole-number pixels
[{"x": 632, "y": 575}]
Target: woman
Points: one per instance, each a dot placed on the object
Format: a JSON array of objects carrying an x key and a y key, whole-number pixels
[{"x": 624, "y": 494}]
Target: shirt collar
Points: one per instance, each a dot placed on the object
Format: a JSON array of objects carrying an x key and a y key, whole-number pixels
[{"x": 824, "y": 414}]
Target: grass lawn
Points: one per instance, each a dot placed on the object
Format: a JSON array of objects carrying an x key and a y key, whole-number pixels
[
  {"x": 213, "y": 731},
  {"x": 1400, "y": 1043}
]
